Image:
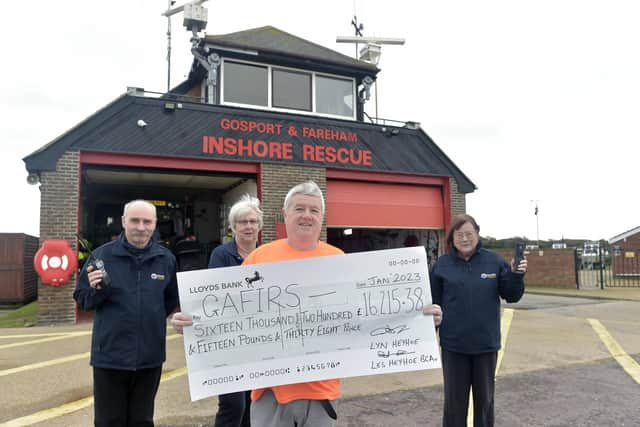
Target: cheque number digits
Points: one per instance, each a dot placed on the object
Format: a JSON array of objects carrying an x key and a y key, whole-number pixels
[
  {"x": 403, "y": 261},
  {"x": 392, "y": 301}
]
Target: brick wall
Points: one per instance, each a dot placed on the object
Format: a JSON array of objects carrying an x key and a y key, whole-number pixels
[
  {"x": 551, "y": 267},
  {"x": 458, "y": 200},
  {"x": 58, "y": 220},
  {"x": 627, "y": 260},
  {"x": 631, "y": 243},
  {"x": 276, "y": 181}
]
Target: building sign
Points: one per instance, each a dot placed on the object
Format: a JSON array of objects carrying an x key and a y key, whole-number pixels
[
  {"x": 315, "y": 142},
  {"x": 277, "y": 141},
  {"x": 257, "y": 140}
]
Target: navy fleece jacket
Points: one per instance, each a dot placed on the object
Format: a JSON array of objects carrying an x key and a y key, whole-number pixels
[
  {"x": 469, "y": 293},
  {"x": 130, "y": 325}
]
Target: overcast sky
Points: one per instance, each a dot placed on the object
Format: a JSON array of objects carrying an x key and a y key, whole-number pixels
[{"x": 532, "y": 100}]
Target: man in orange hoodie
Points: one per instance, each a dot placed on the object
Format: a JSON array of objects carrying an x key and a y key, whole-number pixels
[{"x": 311, "y": 403}]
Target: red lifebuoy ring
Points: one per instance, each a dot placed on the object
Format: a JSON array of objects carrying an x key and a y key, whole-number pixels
[{"x": 55, "y": 262}]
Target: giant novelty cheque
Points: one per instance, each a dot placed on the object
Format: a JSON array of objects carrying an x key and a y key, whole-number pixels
[{"x": 263, "y": 325}]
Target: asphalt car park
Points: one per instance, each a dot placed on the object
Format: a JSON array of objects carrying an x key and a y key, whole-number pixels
[{"x": 566, "y": 361}]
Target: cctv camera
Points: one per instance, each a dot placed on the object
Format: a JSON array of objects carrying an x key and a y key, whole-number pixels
[
  {"x": 142, "y": 123},
  {"x": 33, "y": 179}
]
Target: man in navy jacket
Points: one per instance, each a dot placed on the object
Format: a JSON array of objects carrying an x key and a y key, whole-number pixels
[
  {"x": 129, "y": 330},
  {"x": 468, "y": 283}
]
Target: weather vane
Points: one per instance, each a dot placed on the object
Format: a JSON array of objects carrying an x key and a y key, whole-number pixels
[{"x": 369, "y": 53}]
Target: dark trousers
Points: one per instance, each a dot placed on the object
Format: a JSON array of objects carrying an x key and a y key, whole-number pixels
[
  {"x": 234, "y": 410},
  {"x": 462, "y": 372},
  {"x": 125, "y": 398}
]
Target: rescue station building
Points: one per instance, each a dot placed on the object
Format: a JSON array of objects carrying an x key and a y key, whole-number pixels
[{"x": 261, "y": 111}]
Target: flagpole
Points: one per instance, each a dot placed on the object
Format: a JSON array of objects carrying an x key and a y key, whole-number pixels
[
  {"x": 537, "y": 226},
  {"x": 535, "y": 212}
]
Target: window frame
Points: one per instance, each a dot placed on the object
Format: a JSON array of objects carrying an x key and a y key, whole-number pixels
[
  {"x": 353, "y": 94},
  {"x": 254, "y": 64},
  {"x": 308, "y": 74},
  {"x": 270, "y": 106}
]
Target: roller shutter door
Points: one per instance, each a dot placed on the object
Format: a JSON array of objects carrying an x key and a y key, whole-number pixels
[{"x": 365, "y": 204}]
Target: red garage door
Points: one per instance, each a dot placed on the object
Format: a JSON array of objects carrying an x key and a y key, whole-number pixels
[{"x": 365, "y": 204}]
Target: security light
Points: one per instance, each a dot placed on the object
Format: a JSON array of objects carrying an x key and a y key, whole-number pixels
[{"x": 33, "y": 179}]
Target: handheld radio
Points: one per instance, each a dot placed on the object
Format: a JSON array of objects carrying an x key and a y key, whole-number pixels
[{"x": 97, "y": 264}]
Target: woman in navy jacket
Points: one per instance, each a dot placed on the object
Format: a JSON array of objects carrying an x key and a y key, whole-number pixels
[
  {"x": 245, "y": 219},
  {"x": 468, "y": 282}
]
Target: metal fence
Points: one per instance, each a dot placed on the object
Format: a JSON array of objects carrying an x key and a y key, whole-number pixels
[{"x": 605, "y": 265}]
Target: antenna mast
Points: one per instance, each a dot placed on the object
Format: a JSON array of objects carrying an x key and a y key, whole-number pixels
[
  {"x": 369, "y": 53},
  {"x": 170, "y": 3},
  {"x": 195, "y": 20}
]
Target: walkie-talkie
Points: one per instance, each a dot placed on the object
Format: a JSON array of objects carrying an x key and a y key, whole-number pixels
[
  {"x": 97, "y": 264},
  {"x": 518, "y": 255}
]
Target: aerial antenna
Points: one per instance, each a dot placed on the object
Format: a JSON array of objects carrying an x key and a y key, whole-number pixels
[
  {"x": 171, "y": 3},
  {"x": 369, "y": 53},
  {"x": 195, "y": 20},
  {"x": 535, "y": 212}
]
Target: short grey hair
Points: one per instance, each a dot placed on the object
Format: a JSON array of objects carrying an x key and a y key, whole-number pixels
[
  {"x": 308, "y": 188},
  {"x": 135, "y": 202},
  {"x": 242, "y": 207}
]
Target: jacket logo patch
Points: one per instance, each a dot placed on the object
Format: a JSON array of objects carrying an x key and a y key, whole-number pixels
[
  {"x": 156, "y": 276},
  {"x": 488, "y": 276}
]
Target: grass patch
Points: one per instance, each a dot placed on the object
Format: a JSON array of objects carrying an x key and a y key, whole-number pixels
[{"x": 20, "y": 318}]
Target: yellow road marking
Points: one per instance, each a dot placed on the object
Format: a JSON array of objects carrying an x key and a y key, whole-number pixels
[
  {"x": 628, "y": 364},
  {"x": 166, "y": 376},
  {"x": 507, "y": 317},
  {"x": 51, "y": 334},
  {"x": 44, "y": 364},
  {"x": 70, "y": 407},
  {"x": 56, "y": 338},
  {"x": 48, "y": 414},
  {"x": 505, "y": 325},
  {"x": 470, "y": 410},
  {"x": 55, "y": 334},
  {"x": 56, "y": 361}
]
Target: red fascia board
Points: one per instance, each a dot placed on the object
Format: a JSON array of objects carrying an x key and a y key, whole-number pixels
[{"x": 138, "y": 160}]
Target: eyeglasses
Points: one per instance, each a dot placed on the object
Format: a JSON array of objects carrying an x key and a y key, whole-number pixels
[
  {"x": 460, "y": 235},
  {"x": 245, "y": 222}
]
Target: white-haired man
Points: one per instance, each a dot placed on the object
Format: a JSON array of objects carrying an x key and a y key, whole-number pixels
[{"x": 310, "y": 404}]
